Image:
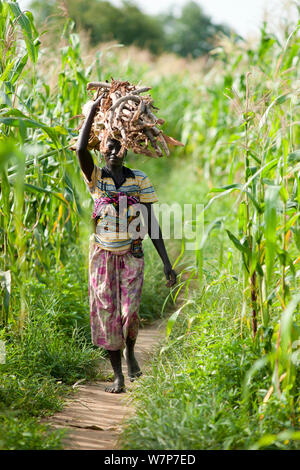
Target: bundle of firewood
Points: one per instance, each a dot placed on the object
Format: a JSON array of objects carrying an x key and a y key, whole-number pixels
[{"x": 128, "y": 116}]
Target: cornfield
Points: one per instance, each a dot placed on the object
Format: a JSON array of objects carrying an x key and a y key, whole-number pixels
[{"x": 238, "y": 116}]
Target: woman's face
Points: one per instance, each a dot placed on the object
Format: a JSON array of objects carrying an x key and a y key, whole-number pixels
[{"x": 111, "y": 153}]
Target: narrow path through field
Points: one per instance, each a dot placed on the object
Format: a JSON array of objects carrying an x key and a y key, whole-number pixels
[{"x": 94, "y": 417}]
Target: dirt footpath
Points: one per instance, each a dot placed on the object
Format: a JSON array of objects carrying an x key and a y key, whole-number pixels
[{"x": 94, "y": 417}]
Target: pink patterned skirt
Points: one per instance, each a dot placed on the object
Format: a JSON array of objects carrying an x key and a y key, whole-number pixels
[{"x": 115, "y": 289}]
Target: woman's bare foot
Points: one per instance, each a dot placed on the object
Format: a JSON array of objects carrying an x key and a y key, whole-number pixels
[{"x": 118, "y": 385}]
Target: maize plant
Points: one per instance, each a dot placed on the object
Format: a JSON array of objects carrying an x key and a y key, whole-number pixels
[
  {"x": 43, "y": 205},
  {"x": 39, "y": 208},
  {"x": 265, "y": 102},
  {"x": 238, "y": 117}
]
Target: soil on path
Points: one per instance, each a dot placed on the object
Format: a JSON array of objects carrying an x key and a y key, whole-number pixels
[{"x": 94, "y": 417}]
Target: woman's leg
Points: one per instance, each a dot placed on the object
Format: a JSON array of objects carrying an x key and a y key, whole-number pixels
[
  {"x": 131, "y": 290},
  {"x": 106, "y": 325},
  {"x": 133, "y": 367},
  {"x": 116, "y": 363}
]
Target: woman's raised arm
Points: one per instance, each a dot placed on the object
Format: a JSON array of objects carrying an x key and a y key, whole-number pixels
[{"x": 85, "y": 158}]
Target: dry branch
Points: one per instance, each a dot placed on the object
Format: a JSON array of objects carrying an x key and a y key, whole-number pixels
[{"x": 126, "y": 116}]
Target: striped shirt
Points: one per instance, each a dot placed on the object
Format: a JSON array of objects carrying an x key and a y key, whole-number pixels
[{"x": 137, "y": 184}]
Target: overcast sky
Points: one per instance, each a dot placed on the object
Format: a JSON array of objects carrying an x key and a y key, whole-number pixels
[{"x": 245, "y": 16}]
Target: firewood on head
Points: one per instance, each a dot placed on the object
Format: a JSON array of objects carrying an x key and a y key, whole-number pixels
[{"x": 125, "y": 114}]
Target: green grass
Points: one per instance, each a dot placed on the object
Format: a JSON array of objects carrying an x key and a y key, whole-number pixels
[
  {"x": 192, "y": 396},
  {"x": 55, "y": 350},
  {"x": 165, "y": 175},
  {"x": 26, "y": 433},
  {"x": 52, "y": 353}
]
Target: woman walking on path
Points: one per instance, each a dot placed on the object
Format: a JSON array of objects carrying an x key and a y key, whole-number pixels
[{"x": 116, "y": 262}]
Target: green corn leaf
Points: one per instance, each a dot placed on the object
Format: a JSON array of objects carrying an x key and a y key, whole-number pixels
[
  {"x": 269, "y": 439},
  {"x": 286, "y": 322},
  {"x": 22, "y": 20},
  {"x": 26, "y": 26},
  {"x": 259, "y": 364},
  {"x": 259, "y": 269},
  {"x": 271, "y": 204},
  {"x": 29, "y": 15},
  {"x": 39, "y": 158},
  {"x": 8, "y": 151},
  {"x": 254, "y": 201},
  {"x": 283, "y": 194},
  {"x": 296, "y": 232},
  {"x": 174, "y": 316},
  {"x": 227, "y": 191},
  {"x": 60, "y": 130},
  {"x": 6, "y": 71},
  {"x": 23, "y": 122},
  {"x": 294, "y": 156},
  {"x": 5, "y": 191},
  {"x": 37, "y": 189},
  {"x": 278, "y": 100},
  {"x": 19, "y": 66},
  {"x": 289, "y": 224},
  {"x": 254, "y": 156},
  {"x": 285, "y": 259},
  {"x": 242, "y": 213},
  {"x": 241, "y": 247},
  {"x": 267, "y": 167},
  {"x": 224, "y": 188}
]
